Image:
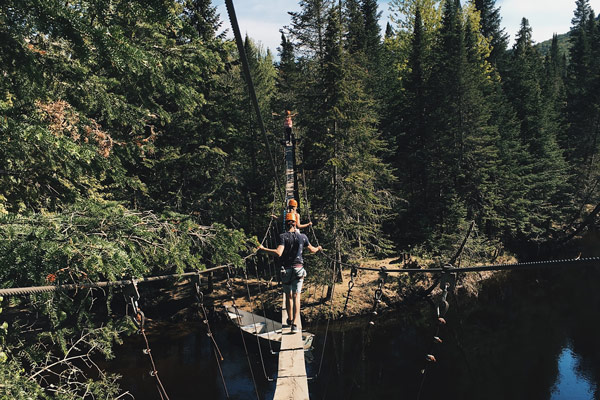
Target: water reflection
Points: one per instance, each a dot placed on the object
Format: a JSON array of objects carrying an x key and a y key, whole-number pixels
[
  {"x": 571, "y": 383},
  {"x": 533, "y": 338}
]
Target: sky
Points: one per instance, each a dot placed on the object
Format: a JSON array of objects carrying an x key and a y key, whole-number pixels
[{"x": 262, "y": 19}]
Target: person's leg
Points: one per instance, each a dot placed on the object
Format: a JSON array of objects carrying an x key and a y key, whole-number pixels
[
  {"x": 289, "y": 306},
  {"x": 296, "y": 297}
]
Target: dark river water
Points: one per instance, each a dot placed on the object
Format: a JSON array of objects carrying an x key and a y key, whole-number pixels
[{"x": 536, "y": 336}]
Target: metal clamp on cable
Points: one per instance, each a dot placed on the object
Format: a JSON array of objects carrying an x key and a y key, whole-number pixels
[
  {"x": 197, "y": 281},
  {"x": 353, "y": 274},
  {"x": 378, "y": 293},
  {"x": 229, "y": 284},
  {"x": 132, "y": 295}
]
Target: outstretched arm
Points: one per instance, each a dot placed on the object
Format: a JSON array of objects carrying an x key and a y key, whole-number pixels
[
  {"x": 314, "y": 249},
  {"x": 278, "y": 251},
  {"x": 302, "y": 226}
]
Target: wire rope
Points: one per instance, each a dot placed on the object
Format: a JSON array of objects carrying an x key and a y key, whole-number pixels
[
  {"x": 334, "y": 273},
  {"x": 248, "y": 77},
  {"x": 262, "y": 361},
  {"x": 230, "y": 288},
  {"x": 262, "y": 302}
]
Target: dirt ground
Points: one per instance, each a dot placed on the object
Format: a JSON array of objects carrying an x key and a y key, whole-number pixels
[
  {"x": 258, "y": 294},
  {"x": 314, "y": 301}
]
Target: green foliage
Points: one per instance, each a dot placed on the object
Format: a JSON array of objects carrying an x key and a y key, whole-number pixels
[
  {"x": 112, "y": 108},
  {"x": 103, "y": 240}
]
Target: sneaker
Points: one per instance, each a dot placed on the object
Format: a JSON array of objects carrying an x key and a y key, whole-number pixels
[
  {"x": 287, "y": 324},
  {"x": 294, "y": 328}
]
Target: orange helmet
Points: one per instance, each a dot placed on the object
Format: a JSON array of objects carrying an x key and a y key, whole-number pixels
[
  {"x": 288, "y": 112},
  {"x": 292, "y": 203},
  {"x": 290, "y": 217}
]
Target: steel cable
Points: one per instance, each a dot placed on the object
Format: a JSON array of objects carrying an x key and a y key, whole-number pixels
[
  {"x": 262, "y": 361},
  {"x": 230, "y": 288}
]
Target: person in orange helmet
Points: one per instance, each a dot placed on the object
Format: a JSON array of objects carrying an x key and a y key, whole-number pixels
[
  {"x": 289, "y": 248},
  {"x": 293, "y": 209}
]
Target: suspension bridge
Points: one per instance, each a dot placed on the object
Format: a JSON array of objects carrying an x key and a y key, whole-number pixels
[{"x": 291, "y": 380}]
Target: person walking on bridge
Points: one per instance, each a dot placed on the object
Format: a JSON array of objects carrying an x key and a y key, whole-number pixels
[
  {"x": 287, "y": 124},
  {"x": 293, "y": 209},
  {"x": 289, "y": 247}
]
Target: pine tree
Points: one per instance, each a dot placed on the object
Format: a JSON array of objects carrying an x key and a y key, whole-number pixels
[
  {"x": 286, "y": 97},
  {"x": 308, "y": 27},
  {"x": 491, "y": 28},
  {"x": 355, "y": 26},
  {"x": 578, "y": 84},
  {"x": 349, "y": 177},
  {"x": 411, "y": 156},
  {"x": 372, "y": 30},
  {"x": 203, "y": 17},
  {"x": 545, "y": 169},
  {"x": 554, "y": 89},
  {"x": 583, "y": 104}
]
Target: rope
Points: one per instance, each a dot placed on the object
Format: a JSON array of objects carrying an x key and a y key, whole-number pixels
[
  {"x": 262, "y": 303},
  {"x": 230, "y": 288},
  {"x": 441, "y": 310},
  {"x": 262, "y": 361},
  {"x": 204, "y": 316},
  {"x": 22, "y": 291},
  {"x": 496, "y": 267},
  {"x": 328, "y": 318},
  {"x": 139, "y": 319},
  {"x": 376, "y": 302},
  {"x": 353, "y": 273}
]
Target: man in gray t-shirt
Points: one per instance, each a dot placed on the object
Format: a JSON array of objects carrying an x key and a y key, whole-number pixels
[{"x": 289, "y": 248}]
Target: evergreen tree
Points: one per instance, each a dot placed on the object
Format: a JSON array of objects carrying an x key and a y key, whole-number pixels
[
  {"x": 286, "y": 78},
  {"x": 579, "y": 78},
  {"x": 411, "y": 156},
  {"x": 490, "y": 27},
  {"x": 347, "y": 176},
  {"x": 583, "y": 104},
  {"x": 372, "y": 30},
  {"x": 355, "y": 26},
  {"x": 546, "y": 173},
  {"x": 554, "y": 89},
  {"x": 308, "y": 27},
  {"x": 203, "y": 17}
]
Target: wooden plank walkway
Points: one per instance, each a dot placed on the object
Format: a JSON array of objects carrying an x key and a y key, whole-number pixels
[
  {"x": 291, "y": 374},
  {"x": 289, "y": 171}
]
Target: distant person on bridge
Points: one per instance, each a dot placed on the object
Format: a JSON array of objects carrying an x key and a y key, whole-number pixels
[
  {"x": 287, "y": 124},
  {"x": 293, "y": 209},
  {"x": 289, "y": 248}
]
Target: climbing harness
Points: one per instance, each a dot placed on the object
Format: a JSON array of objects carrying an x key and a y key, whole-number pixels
[{"x": 132, "y": 295}]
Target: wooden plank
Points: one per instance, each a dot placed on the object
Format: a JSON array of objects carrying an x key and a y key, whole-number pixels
[{"x": 291, "y": 374}]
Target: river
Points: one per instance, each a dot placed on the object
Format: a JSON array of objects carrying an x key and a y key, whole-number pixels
[{"x": 535, "y": 336}]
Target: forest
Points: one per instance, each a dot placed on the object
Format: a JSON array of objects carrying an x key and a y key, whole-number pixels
[{"x": 130, "y": 148}]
